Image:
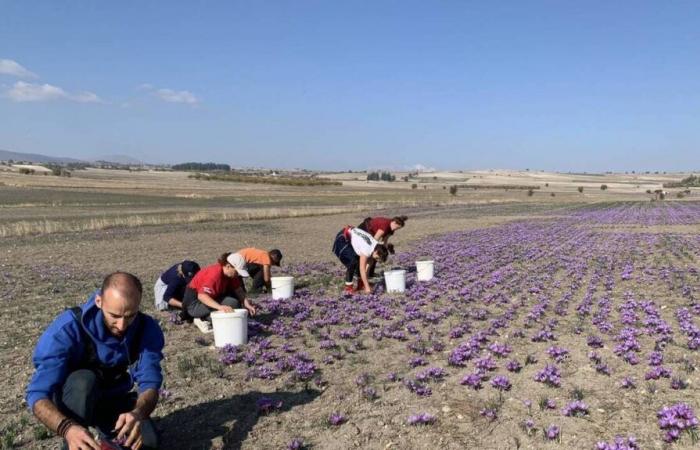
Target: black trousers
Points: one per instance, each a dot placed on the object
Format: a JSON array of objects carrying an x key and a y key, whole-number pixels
[
  {"x": 257, "y": 274},
  {"x": 82, "y": 400},
  {"x": 346, "y": 254},
  {"x": 198, "y": 310}
]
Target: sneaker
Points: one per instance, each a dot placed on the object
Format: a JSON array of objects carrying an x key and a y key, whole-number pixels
[
  {"x": 203, "y": 325},
  {"x": 349, "y": 290}
]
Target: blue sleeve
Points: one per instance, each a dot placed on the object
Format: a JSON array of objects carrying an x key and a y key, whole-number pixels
[
  {"x": 147, "y": 372},
  {"x": 57, "y": 348}
]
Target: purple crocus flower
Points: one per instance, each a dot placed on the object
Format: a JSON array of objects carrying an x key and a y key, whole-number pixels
[
  {"x": 501, "y": 383},
  {"x": 552, "y": 432},
  {"x": 336, "y": 419},
  {"x": 295, "y": 444},
  {"x": 576, "y": 408},
  {"x": 620, "y": 443},
  {"x": 421, "y": 419}
]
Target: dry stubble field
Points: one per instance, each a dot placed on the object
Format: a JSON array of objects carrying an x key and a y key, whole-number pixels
[{"x": 515, "y": 271}]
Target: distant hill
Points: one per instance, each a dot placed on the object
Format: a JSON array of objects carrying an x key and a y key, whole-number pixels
[
  {"x": 35, "y": 157},
  {"x": 120, "y": 159}
]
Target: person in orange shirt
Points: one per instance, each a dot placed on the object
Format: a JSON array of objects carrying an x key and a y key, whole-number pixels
[{"x": 258, "y": 265}]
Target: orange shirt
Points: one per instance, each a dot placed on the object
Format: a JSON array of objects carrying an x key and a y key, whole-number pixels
[{"x": 255, "y": 256}]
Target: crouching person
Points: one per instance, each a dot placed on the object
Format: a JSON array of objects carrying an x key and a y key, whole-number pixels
[
  {"x": 217, "y": 288},
  {"x": 356, "y": 249},
  {"x": 86, "y": 364},
  {"x": 170, "y": 287}
]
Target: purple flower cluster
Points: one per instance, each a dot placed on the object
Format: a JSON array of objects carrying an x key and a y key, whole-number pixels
[
  {"x": 620, "y": 443},
  {"x": 500, "y": 349},
  {"x": 658, "y": 372},
  {"x": 513, "y": 366},
  {"x": 473, "y": 380},
  {"x": 550, "y": 376},
  {"x": 418, "y": 388},
  {"x": 501, "y": 383},
  {"x": 295, "y": 444},
  {"x": 489, "y": 413},
  {"x": 421, "y": 419},
  {"x": 559, "y": 354},
  {"x": 336, "y": 419},
  {"x": 433, "y": 373},
  {"x": 676, "y": 419},
  {"x": 577, "y": 408},
  {"x": 552, "y": 432}
]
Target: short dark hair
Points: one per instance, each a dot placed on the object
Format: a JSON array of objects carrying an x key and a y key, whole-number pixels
[
  {"x": 123, "y": 281},
  {"x": 382, "y": 252},
  {"x": 275, "y": 256}
]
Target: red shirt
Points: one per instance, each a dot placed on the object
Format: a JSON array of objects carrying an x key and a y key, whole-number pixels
[
  {"x": 212, "y": 281},
  {"x": 380, "y": 223}
]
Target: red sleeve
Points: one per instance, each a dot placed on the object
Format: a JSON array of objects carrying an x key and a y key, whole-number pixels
[{"x": 205, "y": 282}]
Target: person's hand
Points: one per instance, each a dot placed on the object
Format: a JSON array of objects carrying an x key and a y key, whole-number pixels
[
  {"x": 78, "y": 438},
  {"x": 249, "y": 306},
  {"x": 367, "y": 290},
  {"x": 128, "y": 429},
  {"x": 225, "y": 308}
]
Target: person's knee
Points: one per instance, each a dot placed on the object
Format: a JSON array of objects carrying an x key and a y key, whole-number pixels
[
  {"x": 79, "y": 395},
  {"x": 233, "y": 302},
  {"x": 149, "y": 434},
  {"x": 82, "y": 382}
]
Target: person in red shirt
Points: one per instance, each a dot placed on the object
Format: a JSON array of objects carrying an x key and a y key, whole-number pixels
[
  {"x": 216, "y": 288},
  {"x": 381, "y": 229}
]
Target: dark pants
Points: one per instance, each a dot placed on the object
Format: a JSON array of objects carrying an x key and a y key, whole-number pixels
[
  {"x": 257, "y": 274},
  {"x": 346, "y": 254},
  {"x": 199, "y": 310},
  {"x": 82, "y": 400}
]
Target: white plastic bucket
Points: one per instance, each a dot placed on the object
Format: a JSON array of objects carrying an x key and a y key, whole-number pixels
[
  {"x": 230, "y": 327},
  {"x": 425, "y": 270},
  {"x": 282, "y": 287},
  {"x": 395, "y": 280}
]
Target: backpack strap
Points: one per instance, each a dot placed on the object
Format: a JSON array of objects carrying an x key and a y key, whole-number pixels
[{"x": 90, "y": 356}]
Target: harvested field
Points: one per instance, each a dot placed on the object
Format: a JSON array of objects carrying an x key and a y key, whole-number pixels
[{"x": 599, "y": 295}]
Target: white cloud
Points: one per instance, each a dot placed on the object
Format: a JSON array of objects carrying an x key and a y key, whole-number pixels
[
  {"x": 10, "y": 67},
  {"x": 171, "y": 96},
  {"x": 30, "y": 92}
]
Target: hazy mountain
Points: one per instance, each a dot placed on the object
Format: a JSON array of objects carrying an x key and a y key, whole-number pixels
[
  {"x": 35, "y": 157},
  {"x": 120, "y": 159}
]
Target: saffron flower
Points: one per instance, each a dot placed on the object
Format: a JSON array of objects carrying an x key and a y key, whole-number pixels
[
  {"x": 336, "y": 419},
  {"x": 421, "y": 419}
]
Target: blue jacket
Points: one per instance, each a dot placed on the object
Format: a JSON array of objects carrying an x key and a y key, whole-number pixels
[{"x": 61, "y": 349}]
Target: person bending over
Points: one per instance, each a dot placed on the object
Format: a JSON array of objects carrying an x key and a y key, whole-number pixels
[
  {"x": 355, "y": 248},
  {"x": 170, "y": 287},
  {"x": 217, "y": 288},
  {"x": 86, "y": 363},
  {"x": 259, "y": 264}
]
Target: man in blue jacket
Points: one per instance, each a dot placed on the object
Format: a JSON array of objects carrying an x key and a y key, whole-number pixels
[{"x": 86, "y": 364}]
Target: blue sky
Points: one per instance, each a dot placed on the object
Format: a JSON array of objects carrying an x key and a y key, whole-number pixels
[{"x": 581, "y": 86}]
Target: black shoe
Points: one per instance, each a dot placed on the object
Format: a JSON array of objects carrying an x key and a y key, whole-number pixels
[{"x": 186, "y": 317}]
